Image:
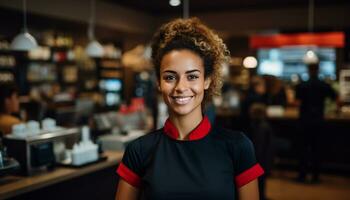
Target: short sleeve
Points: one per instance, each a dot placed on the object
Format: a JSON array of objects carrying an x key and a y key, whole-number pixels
[
  {"x": 131, "y": 166},
  {"x": 246, "y": 167}
]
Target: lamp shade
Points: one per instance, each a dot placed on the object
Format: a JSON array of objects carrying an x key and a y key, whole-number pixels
[
  {"x": 310, "y": 57},
  {"x": 94, "y": 49},
  {"x": 24, "y": 42},
  {"x": 250, "y": 62}
]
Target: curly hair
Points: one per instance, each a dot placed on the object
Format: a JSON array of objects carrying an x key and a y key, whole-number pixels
[{"x": 193, "y": 35}]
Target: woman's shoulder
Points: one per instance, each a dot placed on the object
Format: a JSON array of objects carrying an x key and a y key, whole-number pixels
[
  {"x": 150, "y": 136},
  {"x": 146, "y": 141},
  {"x": 228, "y": 134},
  {"x": 233, "y": 138}
]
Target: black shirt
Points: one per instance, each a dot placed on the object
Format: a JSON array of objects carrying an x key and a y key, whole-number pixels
[{"x": 212, "y": 164}]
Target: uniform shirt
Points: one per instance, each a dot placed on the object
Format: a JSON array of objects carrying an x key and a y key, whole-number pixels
[{"x": 212, "y": 164}]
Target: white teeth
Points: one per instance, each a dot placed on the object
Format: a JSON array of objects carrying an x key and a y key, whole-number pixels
[{"x": 182, "y": 100}]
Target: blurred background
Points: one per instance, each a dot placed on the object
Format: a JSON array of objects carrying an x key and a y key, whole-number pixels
[{"x": 76, "y": 76}]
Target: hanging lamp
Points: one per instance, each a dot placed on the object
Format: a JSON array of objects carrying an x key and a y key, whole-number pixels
[
  {"x": 174, "y": 3},
  {"x": 24, "y": 41},
  {"x": 94, "y": 48},
  {"x": 186, "y": 9},
  {"x": 310, "y": 56}
]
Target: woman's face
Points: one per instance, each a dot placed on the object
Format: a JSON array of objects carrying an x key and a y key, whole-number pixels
[{"x": 182, "y": 82}]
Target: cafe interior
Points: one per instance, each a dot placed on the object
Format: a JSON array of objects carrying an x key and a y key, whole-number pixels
[{"x": 86, "y": 87}]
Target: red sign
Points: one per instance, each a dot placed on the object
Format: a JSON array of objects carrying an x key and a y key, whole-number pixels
[{"x": 328, "y": 39}]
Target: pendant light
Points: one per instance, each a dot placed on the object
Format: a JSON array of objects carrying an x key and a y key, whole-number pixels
[
  {"x": 94, "y": 48},
  {"x": 174, "y": 3},
  {"x": 186, "y": 9},
  {"x": 24, "y": 41},
  {"x": 310, "y": 56}
]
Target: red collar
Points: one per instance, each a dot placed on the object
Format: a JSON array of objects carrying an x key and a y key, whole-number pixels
[{"x": 199, "y": 132}]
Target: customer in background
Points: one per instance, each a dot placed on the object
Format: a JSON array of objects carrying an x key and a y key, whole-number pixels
[
  {"x": 311, "y": 95},
  {"x": 256, "y": 94},
  {"x": 275, "y": 91},
  {"x": 9, "y": 105},
  {"x": 261, "y": 134}
]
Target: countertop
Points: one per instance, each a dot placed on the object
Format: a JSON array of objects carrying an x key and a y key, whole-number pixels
[{"x": 11, "y": 186}]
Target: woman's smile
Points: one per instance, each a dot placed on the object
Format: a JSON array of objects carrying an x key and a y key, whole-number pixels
[{"x": 182, "y": 100}]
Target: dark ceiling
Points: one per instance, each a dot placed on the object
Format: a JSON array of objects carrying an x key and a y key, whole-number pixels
[{"x": 161, "y": 7}]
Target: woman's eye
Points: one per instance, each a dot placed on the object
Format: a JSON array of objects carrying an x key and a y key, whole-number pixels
[
  {"x": 192, "y": 77},
  {"x": 169, "y": 78}
]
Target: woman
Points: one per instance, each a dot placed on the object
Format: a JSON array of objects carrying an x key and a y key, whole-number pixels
[
  {"x": 9, "y": 105},
  {"x": 188, "y": 158}
]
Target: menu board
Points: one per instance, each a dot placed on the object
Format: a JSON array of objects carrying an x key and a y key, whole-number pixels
[{"x": 287, "y": 62}]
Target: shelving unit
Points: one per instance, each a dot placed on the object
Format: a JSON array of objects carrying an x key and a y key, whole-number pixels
[
  {"x": 110, "y": 80},
  {"x": 7, "y": 66}
]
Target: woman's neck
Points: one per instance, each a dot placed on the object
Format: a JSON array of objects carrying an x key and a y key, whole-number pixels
[{"x": 186, "y": 123}]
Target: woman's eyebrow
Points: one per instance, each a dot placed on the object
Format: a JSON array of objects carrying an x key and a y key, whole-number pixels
[
  {"x": 169, "y": 71},
  {"x": 187, "y": 72},
  {"x": 191, "y": 71}
]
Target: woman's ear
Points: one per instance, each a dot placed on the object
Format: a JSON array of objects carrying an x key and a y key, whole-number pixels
[{"x": 207, "y": 83}]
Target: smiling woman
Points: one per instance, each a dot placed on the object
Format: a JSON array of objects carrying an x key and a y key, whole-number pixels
[
  {"x": 182, "y": 83},
  {"x": 189, "y": 158}
]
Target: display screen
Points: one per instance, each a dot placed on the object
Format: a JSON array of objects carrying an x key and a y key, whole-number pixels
[
  {"x": 113, "y": 85},
  {"x": 288, "y": 62},
  {"x": 112, "y": 99}
]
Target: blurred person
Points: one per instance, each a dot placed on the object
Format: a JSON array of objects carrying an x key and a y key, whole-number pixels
[
  {"x": 256, "y": 94},
  {"x": 311, "y": 95},
  {"x": 189, "y": 158},
  {"x": 275, "y": 91},
  {"x": 9, "y": 107},
  {"x": 261, "y": 134}
]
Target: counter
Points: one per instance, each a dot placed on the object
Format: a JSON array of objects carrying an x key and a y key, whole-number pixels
[{"x": 12, "y": 186}]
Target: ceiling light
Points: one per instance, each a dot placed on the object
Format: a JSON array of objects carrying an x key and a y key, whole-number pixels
[
  {"x": 250, "y": 62},
  {"x": 186, "y": 9},
  {"x": 174, "y": 2},
  {"x": 310, "y": 56},
  {"x": 94, "y": 48},
  {"x": 24, "y": 41}
]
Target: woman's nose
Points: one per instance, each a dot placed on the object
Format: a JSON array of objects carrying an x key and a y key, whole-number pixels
[{"x": 181, "y": 85}]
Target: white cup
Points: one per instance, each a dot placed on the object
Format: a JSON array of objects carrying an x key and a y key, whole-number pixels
[
  {"x": 48, "y": 124},
  {"x": 19, "y": 130},
  {"x": 33, "y": 127}
]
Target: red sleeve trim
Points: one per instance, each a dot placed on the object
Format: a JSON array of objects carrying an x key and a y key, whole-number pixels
[
  {"x": 249, "y": 175},
  {"x": 128, "y": 175}
]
